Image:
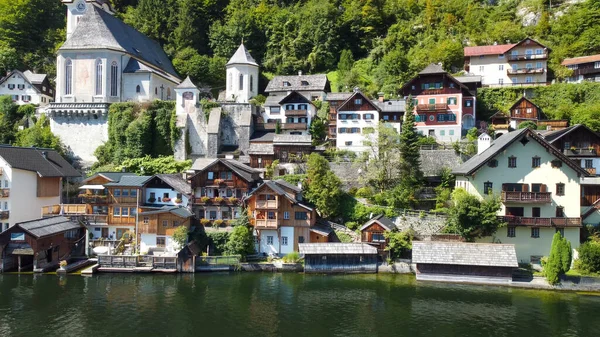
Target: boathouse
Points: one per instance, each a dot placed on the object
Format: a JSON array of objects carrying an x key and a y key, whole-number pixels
[
  {"x": 336, "y": 257},
  {"x": 464, "y": 262},
  {"x": 41, "y": 244},
  {"x": 372, "y": 233}
]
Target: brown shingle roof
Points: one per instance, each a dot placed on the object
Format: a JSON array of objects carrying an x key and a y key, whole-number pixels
[
  {"x": 488, "y": 50},
  {"x": 581, "y": 59}
]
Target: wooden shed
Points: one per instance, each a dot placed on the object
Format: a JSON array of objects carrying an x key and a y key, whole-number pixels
[
  {"x": 464, "y": 262},
  {"x": 372, "y": 233},
  {"x": 336, "y": 257},
  {"x": 41, "y": 244}
]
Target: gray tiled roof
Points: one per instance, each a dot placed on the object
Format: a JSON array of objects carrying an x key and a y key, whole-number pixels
[
  {"x": 242, "y": 170},
  {"x": 187, "y": 84},
  {"x": 24, "y": 76},
  {"x": 273, "y": 100},
  {"x": 392, "y": 105},
  {"x": 466, "y": 254},
  {"x": 260, "y": 148},
  {"x": 283, "y": 139},
  {"x": 288, "y": 185},
  {"x": 242, "y": 56},
  {"x": 262, "y": 136},
  {"x": 433, "y": 161},
  {"x": 432, "y": 68},
  {"x": 33, "y": 159},
  {"x": 135, "y": 66},
  {"x": 177, "y": 182},
  {"x": 130, "y": 181},
  {"x": 113, "y": 176},
  {"x": 382, "y": 220},
  {"x": 98, "y": 29},
  {"x": 202, "y": 163},
  {"x": 34, "y": 78},
  {"x": 553, "y": 136},
  {"x": 48, "y": 226},
  {"x": 176, "y": 210},
  {"x": 468, "y": 78},
  {"x": 334, "y": 248},
  {"x": 338, "y": 96},
  {"x": 315, "y": 83}
]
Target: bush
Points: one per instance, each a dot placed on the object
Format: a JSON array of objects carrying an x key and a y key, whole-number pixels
[
  {"x": 559, "y": 261},
  {"x": 217, "y": 222},
  {"x": 589, "y": 257},
  {"x": 352, "y": 225},
  {"x": 180, "y": 236},
  {"x": 292, "y": 257},
  {"x": 218, "y": 241},
  {"x": 364, "y": 192},
  {"x": 218, "y": 200},
  {"x": 344, "y": 237}
]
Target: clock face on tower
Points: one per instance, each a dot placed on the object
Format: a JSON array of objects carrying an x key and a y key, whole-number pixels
[{"x": 80, "y": 6}]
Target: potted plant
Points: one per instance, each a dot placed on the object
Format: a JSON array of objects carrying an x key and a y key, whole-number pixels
[
  {"x": 178, "y": 201},
  {"x": 204, "y": 199},
  {"x": 217, "y": 222},
  {"x": 573, "y": 148},
  {"x": 233, "y": 200},
  {"x": 151, "y": 200},
  {"x": 218, "y": 200},
  {"x": 219, "y": 181},
  {"x": 166, "y": 199},
  {"x": 204, "y": 222}
]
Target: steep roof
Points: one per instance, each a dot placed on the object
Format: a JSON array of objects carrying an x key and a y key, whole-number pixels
[
  {"x": 524, "y": 99},
  {"x": 364, "y": 98},
  {"x": 502, "y": 143},
  {"x": 334, "y": 248},
  {"x": 34, "y": 78},
  {"x": 283, "y": 139},
  {"x": 433, "y": 161},
  {"x": 297, "y": 96},
  {"x": 111, "y": 176},
  {"x": 316, "y": 82},
  {"x": 48, "y": 226},
  {"x": 288, "y": 185},
  {"x": 581, "y": 59},
  {"x": 242, "y": 56},
  {"x": 432, "y": 68},
  {"x": 261, "y": 148},
  {"x": 130, "y": 181},
  {"x": 45, "y": 162},
  {"x": 98, "y": 29},
  {"x": 338, "y": 96},
  {"x": 392, "y": 105},
  {"x": 277, "y": 187},
  {"x": 27, "y": 78},
  {"x": 384, "y": 221},
  {"x": 488, "y": 50},
  {"x": 187, "y": 84},
  {"x": 177, "y": 182},
  {"x": 464, "y": 254},
  {"x": 242, "y": 170},
  {"x": 468, "y": 78},
  {"x": 436, "y": 69},
  {"x": 555, "y": 135}
]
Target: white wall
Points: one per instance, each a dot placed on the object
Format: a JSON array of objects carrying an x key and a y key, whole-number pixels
[
  {"x": 28, "y": 90},
  {"x": 159, "y": 192},
  {"x": 266, "y": 248},
  {"x": 493, "y": 68},
  {"x": 357, "y": 139},
  {"x": 82, "y": 135},
  {"x": 232, "y": 89},
  {"x": 289, "y": 233}
]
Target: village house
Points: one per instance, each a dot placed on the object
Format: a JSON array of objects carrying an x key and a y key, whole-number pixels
[
  {"x": 539, "y": 189},
  {"x": 293, "y": 112},
  {"x": 580, "y": 144},
  {"x": 280, "y": 218},
  {"x": 41, "y": 244},
  {"x": 444, "y": 107},
  {"x": 585, "y": 68},
  {"x": 337, "y": 257},
  {"x": 27, "y": 88},
  {"x": 521, "y": 63},
  {"x": 357, "y": 122},
  {"x": 372, "y": 232},
  {"x": 391, "y": 111},
  {"x": 522, "y": 111},
  {"x": 218, "y": 187},
  {"x": 334, "y": 99},
  {"x": 31, "y": 178},
  {"x": 313, "y": 87},
  {"x": 94, "y": 194},
  {"x": 287, "y": 149}
]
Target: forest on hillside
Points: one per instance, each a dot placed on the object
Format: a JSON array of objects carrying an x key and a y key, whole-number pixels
[{"x": 374, "y": 44}]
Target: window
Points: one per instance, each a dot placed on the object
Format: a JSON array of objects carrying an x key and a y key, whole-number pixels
[
  {"x": 431, "y": 118},
  {"x": 286, "y": 84},
  {"x": 528, "y": 66},
  {"x": 451, "y": 133},
  {"x": 241, "y": 81},
  {"x": 26, "y": 98},
  {"x": 536, "y": 188},
  {"x": 117, "y": 192},
  {"x": 211, "y": 175},
  {"x": 481, "y": 67},
  {"x": 348, "y": 143},
  {"x": 133, "y": 193},
  {"x": 301, "y": 239},
  {"x": 146, "y": 220},
  {"x": 160, "y": 241},
  {"x": 251, "y": 83},
  {"x": 500, "y": 56},
  {"x": 358, "y": 101},
  {"x": 271, "y": 215},
  {"x": 560, "y": 211},
  {"x": 442, "y": 132},
  {"x": 441, "y": 117},
  {"x": 304, "y": 83},
  {"x": 452, "y": 100},
  {"x": 535, "y": 232},
  {"x": 165, "y": 223},
  {"x": 529, "y": 110},
  {"x": 535, "y": 162},
  {"x": 166, "y": 195},
  {"x": 377, "y": 237},
  {"x": 156, "y": 91},
  {"x": 535, "y": 212},
  {"x": 212, "y": 215},
  {"x": 589, "y": 163},
  {"x": 501, "y": 67},
  {"x": 124, "y": 211},
  {"x": 468, "y": 103},
  {"x": 596, "y": 65},
  {"x": 511, "y": 232},
  {"x": 117, "y": 211},
  {"x": 538, "y": 65},
  {"x": 369, "y": 116},
  {"x": 487, "y": 187},
  {"x": 500, "y": 81},
  {"x": 69, "y": 77},
  {"x": 132, "y": 211},
  {"x": 481, "y": 56},
  {"x": 98, "y": 77},
  {"x": 286, "y": 215},
  {"x": 114, "y": 76},
  {"x": 512, "y": 162},
  {"x": 561, "y": 231},
  {"x": 528, "y": 79},
  {"x": 301, "y": 216},
  {"x": 230, "y": 81},
  {"x": 269, "y": 240},
  {"x": 11, "y": 86},
  {"x": 560, "y": 189},
  {"x": 556, "y": 163},
  {"x": 138, "y": 89},
  {"x": 284, "y": 240},
  {"x": 125, "y": 193}
]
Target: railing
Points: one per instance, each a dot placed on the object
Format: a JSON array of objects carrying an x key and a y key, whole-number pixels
[
  {"x": 216, "y": 201},
  {"x": 518, "y": 71},
  {"x": 295, "y": 112},
  {"x": 432, "y": 107},
  {"x": 580, "y": 152},
  {"x": 528, "y": 57},
  {"x": 294, "y": 126},
  {"x": 265, "y": 223},
  {"x": 65, "y": 209},
  {"x": 93, "y": 199},
  {"x": 4, "y": 215},
  {"x": 266, "y": 203},
  {"x": 517, "y": 84},
  {"x": 540, "y": 222},
  {"x": 228, "y": 260},
  {"x": 96, "y": 219},
  {"x": 133, "y": 261},
  {"x": 220, "y": 183},
  {"x": 556, "y": 123},
  {"x": 529, "y": 197},
  {"x": 5, "y": 193},
  {"x": 585, "y": 71},
  {"x": 501, "y": 126},
  {"x": 104, "y": 243}
]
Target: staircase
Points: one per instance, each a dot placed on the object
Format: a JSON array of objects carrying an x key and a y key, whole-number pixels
[{"x": 593, "y": 208}]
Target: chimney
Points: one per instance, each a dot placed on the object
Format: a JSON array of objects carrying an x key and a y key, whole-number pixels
[
  {"x": 299, "y": 72},
  {"x": 483, "y": 142},
  {"x": 45, "y": 154},
  {"x": 381, "y": 96},
  {"x": 299, "y": 184}
]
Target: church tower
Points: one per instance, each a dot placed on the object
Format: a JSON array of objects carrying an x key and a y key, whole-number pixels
[
  {"x": 76, "y": 9},
  {"x": 242, "y": 76}
]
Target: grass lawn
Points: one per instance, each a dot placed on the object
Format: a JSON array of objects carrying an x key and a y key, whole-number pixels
[{"x": 575, "y": 272}]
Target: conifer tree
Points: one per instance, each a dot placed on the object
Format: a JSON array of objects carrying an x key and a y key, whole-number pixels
[{"x": 410, "y": 158}]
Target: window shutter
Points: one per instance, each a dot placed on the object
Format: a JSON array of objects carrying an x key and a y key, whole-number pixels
[
  {"x": 524, "y": 188},
  {"x": 543, "y": 188}
]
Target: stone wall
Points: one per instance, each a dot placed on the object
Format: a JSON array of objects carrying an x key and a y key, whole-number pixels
[{"x": 81, "y": 134}]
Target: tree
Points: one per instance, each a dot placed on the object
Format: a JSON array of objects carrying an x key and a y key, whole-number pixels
[
  {"x": 241, "y": 240},
  {"x": 528, "y": 124},
  {"x": 559, "y": 261},
  {"x": 323, "y": 187},
  {"x": 398, "y": 242},
  {"x": 471, "y": 217},
  {"x": 410, "y": 157},
  {"x": 318, "y": 130},
  {"x": 380, "y": 168},
  {"x": 180, "y": 236},
  {"x": 40, "y": 136},
  {"x": 150, "y": 166},
  {"x": 346, "y": 61}
]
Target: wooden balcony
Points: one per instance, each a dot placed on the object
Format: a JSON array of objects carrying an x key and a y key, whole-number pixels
[
  {"x": 216, "y": 201},
  {"x": 585, "y": 152},
  {"x": 266, "y": 204},
  {"x": 5, "y": 193},
  {"x": 540, "y": 222},
  {"x": 520, "y": 71},
  {"x": 93, "y": 199},
  {"x": 521, "y": 57},
  {"x": 65, "y": 209},
  {"x": 586, "y": 71},
  {"x": 219, "y": 183},
  {"x": 527, "y": 197},
  {"x": 432, "y": 107},
  {"x": 4, "y": 215},
  {"x": 265, "y": 224},
  {"x": 300, "y": 113},
  {"x": 265, "y": 126},
  {"x": 501, "y": 126},
  {"x": 294, "y": 126}
]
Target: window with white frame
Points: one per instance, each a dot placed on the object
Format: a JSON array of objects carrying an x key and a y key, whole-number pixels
[
  {"x": 286, "y": 215},
  {"x": 284, "y": 240},
  {"x": 69, "y": 77},
  {"x": 114, "y": 77},
  {"x": 501, "y": 67},
  {"x": 511, "y": 232},
  {"x": 98, "y": 77},
  {"x": 269, "y": 240}
]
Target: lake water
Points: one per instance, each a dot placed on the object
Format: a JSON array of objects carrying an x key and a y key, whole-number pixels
[{"x": 274, "y": 304}]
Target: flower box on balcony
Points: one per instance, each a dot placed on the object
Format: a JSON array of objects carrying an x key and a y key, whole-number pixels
[
  {"x": 178, "y": 201},
  {"x": 166, "y": 199},
  {"x": 233, "y": 200},
  {"x": 218, "y": 200},
  {"x": 204, "y": 199},
  {"x": 217, "y": 223},
  {"x": 219, "y": 181},
  {"x": 204, "y": 222}
]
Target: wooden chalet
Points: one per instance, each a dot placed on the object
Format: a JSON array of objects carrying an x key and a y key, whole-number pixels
[
  {"x": 95, "y": 195},
  {"x": 286, "y": 148},
  {"x": 523, "y": 110},
  {"x": 335, "y": 99},
  {"x": 41, "y": 244},
  {"x": 162, "y": 223},
  {"x": 124, "y": 201},
  {"x": 335, "y": 257},
  {"x": 372, "y": 233},
  {"x": 464, "y": 262}
]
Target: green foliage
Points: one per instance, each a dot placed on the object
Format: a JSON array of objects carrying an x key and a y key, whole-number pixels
[
  {"x": 364, "y": 192},
  {"x": 318, "y": 130},
  {"x": 398, "y": 242},
  {"x": 241, "y": 240},
  {"x": 410, "y": 157},
  {"x": 40, "y": 136},
  {"x": 269, "y": 170},
  {"x": 293, "y": 178},
  {"x": 149, "y": 166},
  {"x": 180, "y": 236},
  {"x": 218, "y": 241},
  {"x": 589, "y": 257},
  {"x": 380, "y": 169},
  {"x": 26, "y": 110},
  {"x": 323, "y": 186},
  {"x": 258, "y": 100},
  {"x": 278, "y": 127},
  {"x": 292, "y": 257},
  {"x": 202, "y": 69},
  {"x": 344, "y": 237},
  {"x": 473, "y": 218},
  {"x": 559, "y": 261},
  {"x": 356, "y": 212},
  {"x": 528, "y": 124}
]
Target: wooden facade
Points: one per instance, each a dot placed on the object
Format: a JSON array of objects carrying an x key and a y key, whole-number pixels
[
  {"x": 48, "y": 186},
  {"x": 117, "y": 203},
  {"x": 268, "y": 210},
  {"x": 526, "y": 109},
  {"x": 161, "y": 224},
  {"x": 339, "y": 258}
]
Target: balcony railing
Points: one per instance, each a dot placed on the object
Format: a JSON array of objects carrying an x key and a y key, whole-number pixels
[
  {"x": 518, "y": 71},
  {"x": 5, "y": 193},
  {"x": 580, "y": 152},
  {"x": 527, "y": 197},
  {"x": 93, "y": 199},
  {"x": 432, "y": 107},
  {"x": 586, "y": 71},
  {"x": 501, "y": 126},
  {"x": 294, "y": 126},
  {"x": 265, "y": 223},
  {"x": 266, "y": 204},
  {"x": 216, "y": 201},
  {"x": 295, "y": 112},
  {"x": 540, "y": 222},
  {"x": 528, "y": 57},
  {"x": 4, "y": 215}
]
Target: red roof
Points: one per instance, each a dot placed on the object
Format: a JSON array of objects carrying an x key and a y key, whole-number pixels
[
  {"x": 581, "y": 59},
  {"x": 488, "y": 50}
]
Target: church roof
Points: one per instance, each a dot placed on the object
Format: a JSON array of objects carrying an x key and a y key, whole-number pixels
[
  {"x": 98, "y": 29},
  {"x": 242, "y": 56},
  {"x": 187, "y": 84}
]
